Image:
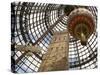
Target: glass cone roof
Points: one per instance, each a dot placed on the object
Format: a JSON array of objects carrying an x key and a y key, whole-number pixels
[{"x": 36, "y": 22}]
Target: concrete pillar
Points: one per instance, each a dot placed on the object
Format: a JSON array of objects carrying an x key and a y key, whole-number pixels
[{"x": 57, "y": 56}]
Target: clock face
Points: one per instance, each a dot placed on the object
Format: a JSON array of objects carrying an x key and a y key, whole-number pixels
[{"x": 81, "y": 23}]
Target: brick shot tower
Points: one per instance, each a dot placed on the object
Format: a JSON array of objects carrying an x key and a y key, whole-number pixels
[{"x": 57, "y": 56}]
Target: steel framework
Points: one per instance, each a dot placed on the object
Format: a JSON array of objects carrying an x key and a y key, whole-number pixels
[{"x": 36, "y": 23}]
